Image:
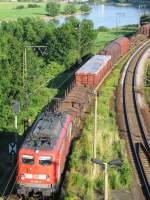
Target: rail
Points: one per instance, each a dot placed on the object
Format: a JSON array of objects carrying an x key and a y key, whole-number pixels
[{"x": 128, "y": 92}]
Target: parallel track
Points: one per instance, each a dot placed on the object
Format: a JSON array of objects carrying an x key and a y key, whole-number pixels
[{"x": 137, "y": 137}]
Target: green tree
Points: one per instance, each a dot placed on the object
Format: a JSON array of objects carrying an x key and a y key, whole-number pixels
[
  {"x": 71, "y": 57},
  {"x": 52, "y": 9},
  {"x": 85, "y": 8},
  {"x": 86, "y": 35}
]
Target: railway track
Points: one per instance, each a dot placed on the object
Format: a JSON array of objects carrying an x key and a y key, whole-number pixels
[{"x": 137, "y": 138}]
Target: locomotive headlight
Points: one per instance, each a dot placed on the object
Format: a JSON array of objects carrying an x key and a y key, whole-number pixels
[
  {"x": 48, "y": 178},
  {"x": 22, "y": 176},
  {"x": 37, "y": 151}
]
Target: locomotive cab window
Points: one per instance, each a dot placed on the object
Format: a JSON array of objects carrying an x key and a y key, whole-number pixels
[
  {"x": 27, "y": 159},
  {"x": 45, "y": 160}
]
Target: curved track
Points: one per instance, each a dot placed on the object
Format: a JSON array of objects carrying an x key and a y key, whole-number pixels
[{"x": 137, "y": 137}]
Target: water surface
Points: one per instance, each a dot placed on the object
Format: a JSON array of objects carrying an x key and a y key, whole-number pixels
[{"x": 111, "y": 15}]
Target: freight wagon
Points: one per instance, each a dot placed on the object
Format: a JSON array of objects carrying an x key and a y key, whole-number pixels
[
  {"x": 116, "y": 49},
  {"x": 145, "y": 29},
  {"x": 93, "y": 71}
]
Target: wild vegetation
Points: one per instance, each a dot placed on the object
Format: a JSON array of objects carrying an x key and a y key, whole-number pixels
[
  {"x": 62, "y": 52},
  {"x": 80, "y": 183}
]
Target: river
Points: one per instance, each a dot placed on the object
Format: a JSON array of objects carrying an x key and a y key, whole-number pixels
[{"x": 111, "y": 16}]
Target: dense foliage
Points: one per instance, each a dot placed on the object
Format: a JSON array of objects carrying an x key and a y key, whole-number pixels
[
  {"x": 52, "y": 8},
  {"x": 62, "y": 52},
  {"x": 85, "y": 8},
  {"x": 144, "y": 19}
]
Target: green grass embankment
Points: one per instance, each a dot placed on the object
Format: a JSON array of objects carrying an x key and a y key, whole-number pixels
[
  {"x": 80, "y": 183},
  {"x": 8, "y": 10},
  {"x": 147, "y": 82}
]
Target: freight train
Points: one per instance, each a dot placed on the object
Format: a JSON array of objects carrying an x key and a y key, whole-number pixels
[{"x": 43, "y": 154}]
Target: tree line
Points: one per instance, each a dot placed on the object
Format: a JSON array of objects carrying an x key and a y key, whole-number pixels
[
  {"x": 65, "y": 45},
  {"x": 54, "y": 8}
]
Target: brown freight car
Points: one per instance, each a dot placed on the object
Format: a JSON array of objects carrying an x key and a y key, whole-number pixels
[
  {"x": 93, "y": 71},
  {"x": 124, "y": 44},
  {"x": 116, "y": 49},
  {"x": 145, "y": 29}
]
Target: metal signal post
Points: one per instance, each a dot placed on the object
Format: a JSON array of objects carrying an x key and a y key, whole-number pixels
[
  {"x": 25, "y": 79},
  {"x": 95, "y": 133},
  {"x": 116, "y": 163}
]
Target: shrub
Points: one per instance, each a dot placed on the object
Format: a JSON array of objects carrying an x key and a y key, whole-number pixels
[
  {"x": 85, "y": 8},
  {"x": 52, "y": 9},
  {"x": 20, "y": 7},
  {"x": 103, "y": 29},
  {"x": 69, "y": 9},
  {"x": 33, "y": 5}
]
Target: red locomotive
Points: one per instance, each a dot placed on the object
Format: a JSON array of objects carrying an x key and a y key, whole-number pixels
[
  {"x": 43, "y": 154},
  {"x": 44, "y": 151}
]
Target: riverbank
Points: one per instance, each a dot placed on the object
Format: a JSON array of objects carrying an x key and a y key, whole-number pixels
[{"x": 100, "y": 14}]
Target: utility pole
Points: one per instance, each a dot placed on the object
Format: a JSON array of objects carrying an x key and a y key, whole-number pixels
[
  {"x": 106, "y": 181},
  {"x": 118, "y": 16},
  {"x": 25, "y": 79},
  {"x": 79, "y": 42},
  {"x": 95, "y": 133}
]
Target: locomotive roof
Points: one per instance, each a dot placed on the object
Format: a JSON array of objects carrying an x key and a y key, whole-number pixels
[
  {"x": 94, "y": 65},
  {"x": 46, "y": 131}
]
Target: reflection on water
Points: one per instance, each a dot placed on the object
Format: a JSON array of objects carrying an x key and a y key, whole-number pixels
[{"x": 111, "y": 15}]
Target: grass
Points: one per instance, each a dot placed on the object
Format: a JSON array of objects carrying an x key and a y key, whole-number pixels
[
  {"x": 8, "y": 10},
  {"x": 105, "y": 37},
  {"x": 147, "y": 82},
  {"x": 80, "y": 183}
]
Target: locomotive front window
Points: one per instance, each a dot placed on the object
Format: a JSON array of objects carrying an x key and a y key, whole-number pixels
[
  {"x": 26, "y": 159},
  {"x": 45, "y": 160}
]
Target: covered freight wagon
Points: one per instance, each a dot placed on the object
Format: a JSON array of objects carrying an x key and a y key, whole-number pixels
[
  {"x": 93, "y": 71},
  {"x": 123, "y": 42},
  {"x": 145, "y": 29},
  {"x": 116, "y": 49}
]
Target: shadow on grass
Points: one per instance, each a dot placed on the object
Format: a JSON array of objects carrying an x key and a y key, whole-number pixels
[
  {"x": 62, "y": 80},
  {"x": 8, "y": 161}
]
